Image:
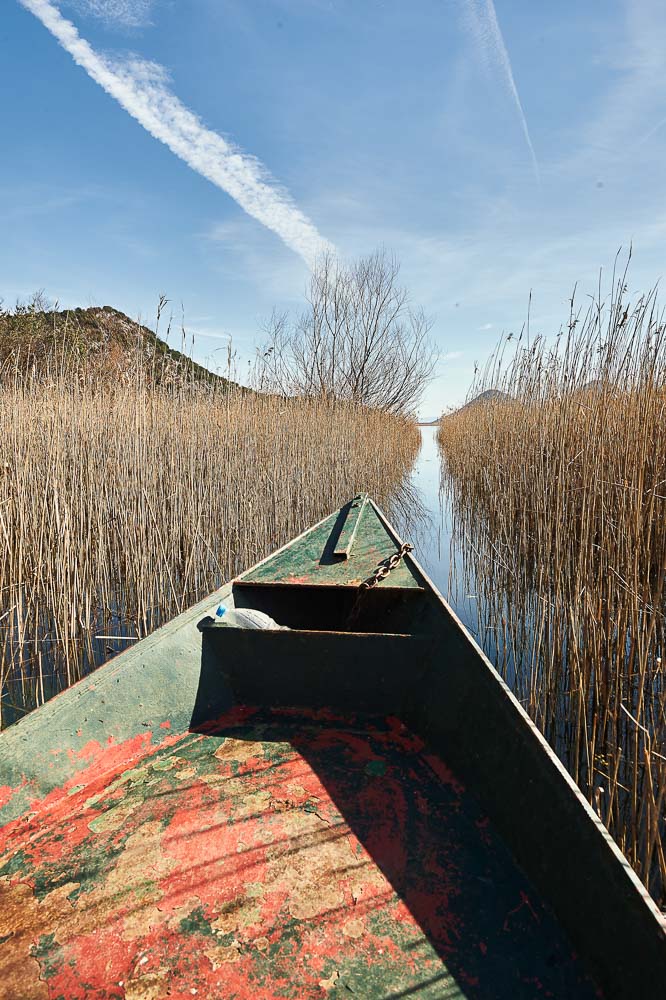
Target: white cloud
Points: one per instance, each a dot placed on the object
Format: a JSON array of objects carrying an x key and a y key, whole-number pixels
[
  {"x": 483, "y": 24},
  {"x": 231, "y": 232},
  {"x": 207, "y": 334},
  {"x": 451, "y": 356},
  {"x": 486, "y": 326},
  {"x": 140, "y": 87},
  {"x": 128, "y": 13}
]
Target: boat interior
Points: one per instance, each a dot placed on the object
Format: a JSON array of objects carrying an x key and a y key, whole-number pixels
[
  {"x": 355, "y": 806},
  {"x": 275, "y": 854}
]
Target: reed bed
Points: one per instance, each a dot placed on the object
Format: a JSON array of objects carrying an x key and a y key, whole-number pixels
[
  {"x": 122, "y": 504},
  {"x": 558, "y": 484}
]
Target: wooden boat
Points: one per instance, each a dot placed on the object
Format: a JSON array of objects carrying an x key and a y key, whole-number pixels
[{"x": 356, "y": 806}]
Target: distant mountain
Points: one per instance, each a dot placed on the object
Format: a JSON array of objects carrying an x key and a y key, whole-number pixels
[
  {"x": 102, "y": 342},
  {"x": 487, "y": 396}
]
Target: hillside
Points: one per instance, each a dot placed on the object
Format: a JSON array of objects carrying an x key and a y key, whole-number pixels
[
  {"x": 488, "y": 396},
  {"x": 101, "y": 342}
]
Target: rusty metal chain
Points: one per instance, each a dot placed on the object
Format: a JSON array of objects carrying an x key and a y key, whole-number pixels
[
  {"x": 385, "y": 567},
  {"x": 379, "y": 574}
]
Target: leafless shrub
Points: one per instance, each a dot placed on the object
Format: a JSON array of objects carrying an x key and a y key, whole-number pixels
[{"x": 358, "y": 340}]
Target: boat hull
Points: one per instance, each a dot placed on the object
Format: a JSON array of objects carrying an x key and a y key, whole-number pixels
[{"x": 106, "y": 771}]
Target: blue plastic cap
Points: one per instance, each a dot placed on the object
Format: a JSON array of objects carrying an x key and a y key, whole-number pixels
[{"x": 220, "y": 611}]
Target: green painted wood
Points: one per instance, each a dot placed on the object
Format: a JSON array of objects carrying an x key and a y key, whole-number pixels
[
  {"x": 165, "y": 686},
  {"x": 146, "y": 693},
  {"x": 274, "y": 856},
  {"x": 350, "y": 527},
  {"x": 311, "y": 559},
  {"x": 341, "y": 671}
]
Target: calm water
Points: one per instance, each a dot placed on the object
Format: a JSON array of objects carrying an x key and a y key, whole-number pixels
[{"x": 437, "y": 548}]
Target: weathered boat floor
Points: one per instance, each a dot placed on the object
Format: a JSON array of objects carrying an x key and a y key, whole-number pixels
[{"x": 271, "y": 856}]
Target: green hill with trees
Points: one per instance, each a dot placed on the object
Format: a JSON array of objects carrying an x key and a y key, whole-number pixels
[{"x": 40, "y": 340}]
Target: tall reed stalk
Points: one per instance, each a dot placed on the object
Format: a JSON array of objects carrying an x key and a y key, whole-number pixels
[
  {"x": 121, "y": 504},
  {"x": 559, "y": 489}
]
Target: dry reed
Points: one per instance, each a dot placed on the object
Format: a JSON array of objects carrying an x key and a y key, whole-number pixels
[
  {"x": 122, "y": 505},
  {"x": 559, "y": 493}
]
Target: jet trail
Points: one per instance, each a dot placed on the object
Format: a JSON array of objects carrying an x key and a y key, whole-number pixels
[
  {"x": 483, "y": 23},
  {"x": 140, "y": 87}
]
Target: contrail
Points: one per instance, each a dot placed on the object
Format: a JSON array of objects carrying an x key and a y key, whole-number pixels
[
  {"x": 482, "y": 19},
  {"x": 650, "y": 132},
  {"x": 130, "y": 13},
  {"x": 140, "y": 87}
]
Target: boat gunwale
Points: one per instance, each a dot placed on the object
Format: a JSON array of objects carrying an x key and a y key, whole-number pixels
[
  {"x": 240, "y": 582},
  {"x": 323, "y": 632},
  {"x": 148, "y": 643},
  {"x": 106, "y": 671},
  {"x": 626, "y": 885},
  {"x": 520, "y": 712}
]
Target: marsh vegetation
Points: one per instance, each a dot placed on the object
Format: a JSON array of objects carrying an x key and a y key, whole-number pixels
[
  {"x": 124, "y": 498},
  {"x": 558, "y": 488}
]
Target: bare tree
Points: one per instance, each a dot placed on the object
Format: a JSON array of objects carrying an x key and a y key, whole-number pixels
[{"x": 357, "y": 340}]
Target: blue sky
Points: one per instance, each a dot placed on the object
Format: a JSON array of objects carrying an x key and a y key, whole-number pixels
[{"x": 495, "y": 148}]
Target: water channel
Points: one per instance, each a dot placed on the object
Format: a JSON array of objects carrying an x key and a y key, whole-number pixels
[{"x": 436, "y": 546}]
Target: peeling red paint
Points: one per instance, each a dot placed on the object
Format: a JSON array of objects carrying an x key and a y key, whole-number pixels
[
  {"x": 6, "y": 793},
  {"x": 104, "y": 763},
  {"x": 290, "y": 857},
  {"x": 443, "y": 772}
]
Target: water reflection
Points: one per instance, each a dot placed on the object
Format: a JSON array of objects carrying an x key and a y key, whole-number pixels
[
  {"x": 589, "y": 677},
  {"x": 438, "y": 549}
]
